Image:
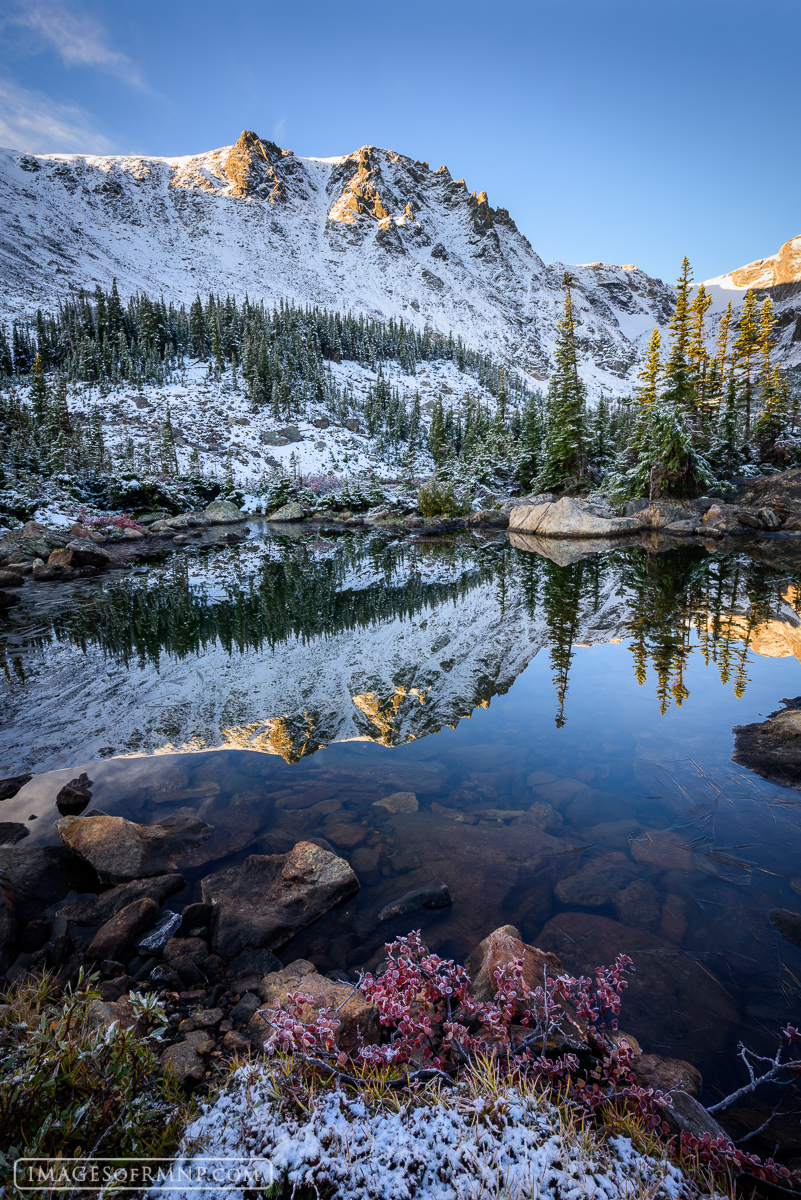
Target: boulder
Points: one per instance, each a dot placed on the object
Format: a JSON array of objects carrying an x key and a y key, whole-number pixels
[
  {"x": 597, "y": 881},
  {"x": 667, "y": 1074},
  {"x": 359, "y": 1020},
  {"x": 12, "y": 832},
  {"x": 114, "y": 938},
  {"x": 497, "y": 951},
  {"x": 780, "y": 492},
  {"x": 10, "y": 579},
  {"x": 75, "y": 796},
  {"x": 270, "y": 897},
  {"x": 223, "y": 512},
  {"x": 10, "y": 786},
  {"x": 39, "y": 876},
  {"x": 434, "y": 894},
  {"x": 83, "y": 553},
  {"x": 719, "y": 521},
  {"x": 120, "y": 850},
  {"x": 569, "y": 518},
  {"x": 686, "y": 1115},
  {"x": 291, "y": 433},
  {"x": 662, "y": 514},
  {"x": 772, "y": 748},
  {"x": 288, "y": 512},
  {"x": 184, "y": 1060},
  {"x": 102, "y": 908}
]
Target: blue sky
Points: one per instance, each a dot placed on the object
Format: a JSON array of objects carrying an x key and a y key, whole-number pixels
[{"x": 613, "y": 130}]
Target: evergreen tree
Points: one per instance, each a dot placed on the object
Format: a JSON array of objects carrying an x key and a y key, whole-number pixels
[
  {"x": 39, "y": 393},
  {"x": 564, "y": 455},
  {"x": 745, "y": 349}
]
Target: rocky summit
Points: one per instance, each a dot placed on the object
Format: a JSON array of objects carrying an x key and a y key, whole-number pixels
[{"x": 373, "y": 232}]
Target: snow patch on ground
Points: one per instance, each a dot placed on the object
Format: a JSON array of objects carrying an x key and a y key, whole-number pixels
[{"x": 513, "y": 1146}]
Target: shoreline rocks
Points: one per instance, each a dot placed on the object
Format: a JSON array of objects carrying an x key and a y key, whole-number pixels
[
  {"x": 121, "y": 851},
  {"x": 271, "y": 897}
]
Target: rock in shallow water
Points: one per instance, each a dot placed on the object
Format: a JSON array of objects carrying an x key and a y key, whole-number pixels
[
  {"x": 772, "y": 748},
  {"x": 569, "y": 518},
  {"x": 102, "y": 908},
  {"x": 120, "y": 850},
  {"x": 270, "y": 897}
]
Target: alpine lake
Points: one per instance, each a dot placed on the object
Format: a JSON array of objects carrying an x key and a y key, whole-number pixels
[{"x": 563, "y": 715}]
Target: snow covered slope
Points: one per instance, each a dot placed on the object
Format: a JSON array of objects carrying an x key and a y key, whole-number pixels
[
  {"x": 373, "y": 232},
  {"x": 777, "y": 276}
]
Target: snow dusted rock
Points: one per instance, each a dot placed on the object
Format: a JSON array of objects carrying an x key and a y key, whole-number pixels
[
  {"x": 120, "y": 850},
  {"x": 288, "y": 512},
  {"x": 569, "y": 518},
  {"x": 270, "y": 897},
  {"x": 223, "y": 512}
]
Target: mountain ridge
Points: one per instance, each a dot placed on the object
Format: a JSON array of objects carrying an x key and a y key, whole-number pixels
[{"x": 372, "y": 231}]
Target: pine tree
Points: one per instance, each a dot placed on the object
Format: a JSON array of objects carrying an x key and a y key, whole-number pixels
[
  {"x": 745, "y": 349},
  {"x": 39, "y": 393},
  {"x": 564, "y": 455}
]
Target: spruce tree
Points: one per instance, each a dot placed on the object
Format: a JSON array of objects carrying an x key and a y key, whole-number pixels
[
  {"x": 745, "y": 350},
  {"x": 564, "y": 454},
  {"x": 39, "y": 393}
]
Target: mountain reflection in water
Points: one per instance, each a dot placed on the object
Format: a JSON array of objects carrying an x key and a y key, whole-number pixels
[
  {"x": 590, "y": 800},
  {"x": 290, "y": 643}
]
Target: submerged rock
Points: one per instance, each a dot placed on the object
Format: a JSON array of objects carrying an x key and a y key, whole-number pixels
[
  {"x": 398, "y": 802},
  {"x": 120, "y": 850},
  {"x": 270, "y": 897},
  {"x": 670, "y": 998},
  {"x": 102, "y": 908},
  {"x": 434, "y": 894},
  {"x": 788, "y": 924},
  {"x": 597, "y": 881}
]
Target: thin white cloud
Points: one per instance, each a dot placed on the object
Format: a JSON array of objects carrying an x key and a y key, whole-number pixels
[
  {"x": 76, "y": 37},
  {"x": 34, "y": 122}
]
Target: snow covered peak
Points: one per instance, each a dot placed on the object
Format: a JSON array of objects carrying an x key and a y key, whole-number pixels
[{"x": 372, "y": 231}]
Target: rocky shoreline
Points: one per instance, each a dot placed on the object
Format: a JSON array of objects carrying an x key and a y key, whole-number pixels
[
  {"x": 214, "y": 962},
  {"x": 770, "y": 507}
]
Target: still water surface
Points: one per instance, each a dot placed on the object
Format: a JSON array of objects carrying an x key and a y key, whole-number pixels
[{"x": 566, "y": 728}]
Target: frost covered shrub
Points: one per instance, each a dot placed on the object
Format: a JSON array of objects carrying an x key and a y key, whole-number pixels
[
  {"x": 435, "y": 1027},
  {"x": 72, "y": 1085},
  {"x": 437, "y": 497}
]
